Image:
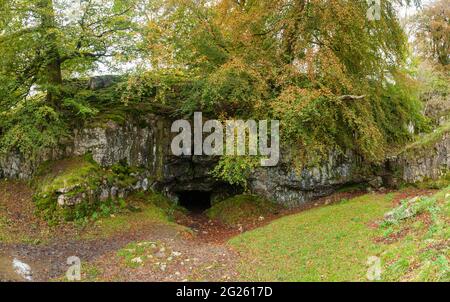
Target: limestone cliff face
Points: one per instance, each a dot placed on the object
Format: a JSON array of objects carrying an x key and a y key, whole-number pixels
[
  {"x": 427, "y": 163},
  {"x": 146, "y": 144},
  {"x": 113, "y": 143},
  {"x": 108, "y": 144},
  {"x": 15, "y": 166},
  {"x": 291, "y": 187}
]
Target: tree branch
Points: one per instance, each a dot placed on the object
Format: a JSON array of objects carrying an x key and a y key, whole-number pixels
[{"x": 351, "y": 97}]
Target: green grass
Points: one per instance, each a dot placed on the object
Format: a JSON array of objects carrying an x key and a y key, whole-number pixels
[
  {"x": 424, "y": 253},
  {"x": 5, "y": 235},
  {"x": 145, "y": 209},
  {"x": 238, "y": 209},
  {"x": 330, "y": 243},
  {"x": 334, "y": 243},
  {"x": 77, "y": 172},
  {"x": 90, "y": 273},
  {"x": 106, "y": 227},
  {"x": 138, "y": 254}
]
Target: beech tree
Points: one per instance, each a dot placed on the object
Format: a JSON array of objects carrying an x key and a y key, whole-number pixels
[
  {"x": 44, "y": 45},
  {"x": 433, "y": 32},
  {"x": 336, "y": 79},
  {"x": 45, "y": 41}
]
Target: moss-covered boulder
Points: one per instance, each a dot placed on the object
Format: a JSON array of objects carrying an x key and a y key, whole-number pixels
[
  {"x": 425, "y": 160},
  {"x": 76, "y": 188}
]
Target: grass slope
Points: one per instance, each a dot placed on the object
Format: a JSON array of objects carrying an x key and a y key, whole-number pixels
[
  {"x": 330, "y": 243},
  {"x": 19, "y": 224},
  {"x": 240, "y": 209},
  {"x": 147, "y": 209},
  {"x": 420, "y": 250},
  {"x": 334, "y": 243}
]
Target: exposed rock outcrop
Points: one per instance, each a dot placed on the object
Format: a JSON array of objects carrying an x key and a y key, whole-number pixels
[
  {"x": 421, "y": 163},
  {"x": 108, "y": 144},
  {"x": 437, "y": 107},
  {"x": 113, "y": 143},
  {"x": 290, "y": 187},
  {"x": 146, "y": 144}
]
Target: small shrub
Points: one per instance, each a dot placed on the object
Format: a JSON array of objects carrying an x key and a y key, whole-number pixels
[
  {"x": 235, "y": 170},
  {"x": 437, "y": 270}
]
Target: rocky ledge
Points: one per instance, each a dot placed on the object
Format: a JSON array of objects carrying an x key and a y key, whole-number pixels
[{"x": 146, "y": 145}]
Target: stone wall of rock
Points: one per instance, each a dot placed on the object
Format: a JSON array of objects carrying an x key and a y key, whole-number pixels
[
  {"x": 290, "y": 187},
  {"x": 149, "y": 147},
  {"x": 146, "y": 144},
  {"x": 421, "y": 165},
  {"x": 108, "y": 144},
  {"x": 15, "y": 166},
  {"x": 113, "y": 143},
  {"x": 437, "y": 107}
]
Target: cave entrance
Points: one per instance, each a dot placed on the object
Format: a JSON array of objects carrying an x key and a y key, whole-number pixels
[{"x": 195, "y": 201}]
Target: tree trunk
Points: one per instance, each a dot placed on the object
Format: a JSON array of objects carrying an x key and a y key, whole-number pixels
[
  {"x": 291, "y": 31},
  {"x": 53, "y": 74}
]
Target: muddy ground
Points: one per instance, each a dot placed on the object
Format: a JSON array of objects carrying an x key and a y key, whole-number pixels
[{"x": 197, "y": 253}]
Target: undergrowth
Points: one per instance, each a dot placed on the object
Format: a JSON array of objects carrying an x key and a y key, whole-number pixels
[
  {"x": 242, "y": 208},
  {"x": 81, "y": 181},
  {"x": 418, "y": 240}
]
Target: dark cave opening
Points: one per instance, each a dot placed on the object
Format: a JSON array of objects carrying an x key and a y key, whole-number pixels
[{"x": 195, "y": 201}]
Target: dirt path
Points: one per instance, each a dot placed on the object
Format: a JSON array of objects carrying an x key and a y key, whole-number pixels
[
  {"x": 202, "y": 255},
  {"x": 195, "y": 259},
  {"x": 161, "y": 252},
  {"x": 45, "y": 249}
]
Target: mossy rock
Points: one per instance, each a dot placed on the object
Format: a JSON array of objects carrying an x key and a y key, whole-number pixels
[
  {"x": 426, "y": 143},
  {"x": 70, "y": 190},
  {"x": 158, "y": 200},
  {"x": 436, "y": 184},
  {"x": 242, "y": 209},
  {"x": 69, "y": 173},
  {"x": 71, "y": 177}
]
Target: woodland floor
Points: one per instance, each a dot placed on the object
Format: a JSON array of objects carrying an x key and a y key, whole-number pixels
[{"x": 191, "y": 248}]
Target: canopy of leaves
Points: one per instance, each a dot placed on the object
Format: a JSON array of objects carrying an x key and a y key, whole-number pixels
[
  {"x": 44, "y": 44},
  {"x": 335, "y": 79},
  {"x": 433, "y": 32},
  {"x": 300, "y": 61}
]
